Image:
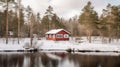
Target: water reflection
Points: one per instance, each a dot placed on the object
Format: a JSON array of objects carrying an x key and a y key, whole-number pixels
[{"x": 57, "y": 60}]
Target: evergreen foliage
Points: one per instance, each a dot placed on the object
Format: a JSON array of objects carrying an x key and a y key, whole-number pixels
[
  {"x": 50, "y": 21},
  {"x": 89, "y": 19}
]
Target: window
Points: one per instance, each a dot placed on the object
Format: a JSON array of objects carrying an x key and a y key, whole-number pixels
[
  {"x": 59, "y": 36},
  {"x": 66, "y": 36}
]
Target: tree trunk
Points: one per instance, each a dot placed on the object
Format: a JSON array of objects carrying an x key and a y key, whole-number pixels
[
  {"x": 101, "y": 36},
  {"x": 89, "y": 36},
  {"x": 110, "y": 37},
  {"x": 31, "y": 34},
  {"x": 18, "y": 21},
  {"x": 31, "y": 29},
  {"x": 7, "y": 22},
  {"x": 117, "y": 36}
]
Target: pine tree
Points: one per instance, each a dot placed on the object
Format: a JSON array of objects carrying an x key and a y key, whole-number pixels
[
  {"x": 56, "y": 24},
  {"x": 29, "y": 11},
  {"x": 49, "y": 14},
  {"x": 6, "y": 1},
  {"x": 2, "y": 23},
  {"x": 7, "y": 22},
  {"x": 111, "y": 22},
  {"x": 37, "y": 25},
  {"x": 32, "y": 21},
  {"x": 89, "y": 18},
  {"x": 19, "y": 19},
  {"x": 12, "y": 19},
  {"x": 45, "y": 24},
  {"x": 51, "y": 21},
  {"x": 102, "y": 26}
]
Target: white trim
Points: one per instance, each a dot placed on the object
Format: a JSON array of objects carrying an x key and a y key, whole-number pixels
[
  {"x": 59, "y": 35},
  {"x": 66, "y": 36}
]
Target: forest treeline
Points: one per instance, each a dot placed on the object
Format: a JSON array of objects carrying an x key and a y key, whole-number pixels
[{"x": 88, "y": 23}]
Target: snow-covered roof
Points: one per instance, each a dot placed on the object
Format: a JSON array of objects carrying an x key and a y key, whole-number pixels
[{"x": 54, "y": 31}]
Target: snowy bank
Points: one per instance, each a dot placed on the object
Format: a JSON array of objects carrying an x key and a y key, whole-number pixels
[
  {"x": 64, "y": 45},
  {"x": 49, "y": 45},
  {"x": 13, "y": 45}
]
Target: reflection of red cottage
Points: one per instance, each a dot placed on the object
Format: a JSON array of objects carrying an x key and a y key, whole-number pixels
[{"x": 57, "y": 34}]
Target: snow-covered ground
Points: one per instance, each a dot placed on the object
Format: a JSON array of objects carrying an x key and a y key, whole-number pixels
[
  {"x": 94, "y": 46},
  {"x": 44, "y": 44},
  {"x": 12, "y": 44}
]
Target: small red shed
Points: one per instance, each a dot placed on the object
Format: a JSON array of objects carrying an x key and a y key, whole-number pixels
[{"x": 57, "y": 34}]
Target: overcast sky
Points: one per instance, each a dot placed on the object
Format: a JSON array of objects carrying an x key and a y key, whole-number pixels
[{"x": 67, "y": 8}]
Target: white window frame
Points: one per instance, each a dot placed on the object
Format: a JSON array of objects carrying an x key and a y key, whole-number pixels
[
  {"x": 58, "y": 35},
  {"x": 66, "y": 36}
]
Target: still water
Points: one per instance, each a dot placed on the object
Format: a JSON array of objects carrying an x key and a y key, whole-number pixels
[{"x": 57, "y": 59}]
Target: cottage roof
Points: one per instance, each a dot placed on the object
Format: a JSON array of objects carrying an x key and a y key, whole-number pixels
[{"x": 54, "y": 31}]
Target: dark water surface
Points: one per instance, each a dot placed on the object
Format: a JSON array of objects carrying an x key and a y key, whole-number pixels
[{"x": 42, "y": 59}]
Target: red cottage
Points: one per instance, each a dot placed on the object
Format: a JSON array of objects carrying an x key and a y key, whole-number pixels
[{"x": 57, "y": 34}]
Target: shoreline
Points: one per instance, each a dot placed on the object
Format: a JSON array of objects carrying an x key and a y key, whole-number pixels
[
  {"x": 58, "y": 50},
  {"x": 66, "y": 46}
]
